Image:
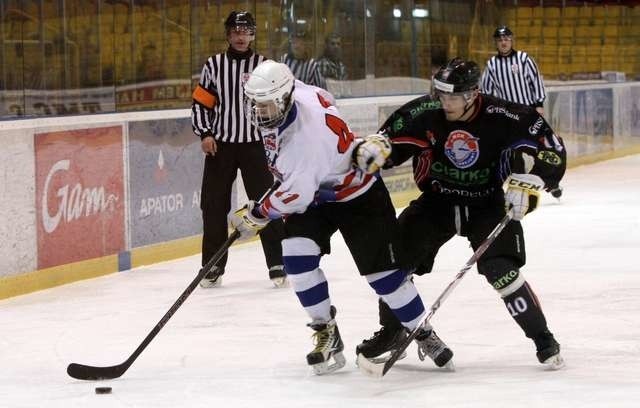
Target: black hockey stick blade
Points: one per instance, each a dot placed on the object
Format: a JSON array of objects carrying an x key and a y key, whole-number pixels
[
  {"x": 87, "y": 372},
  {"x": 84, "y": 372},
  {"x": 378, "y": 370}
]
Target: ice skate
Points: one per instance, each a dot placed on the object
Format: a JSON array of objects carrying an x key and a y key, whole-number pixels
[
  {"x": 327, "y": 355},
  {"x": 430, "y": 345},
  {"x": 213, "y": 278},
  {"x": 379, "y": 347},
  {"x": 548, "y": 351},
  {"x": 278, "y": 276}
]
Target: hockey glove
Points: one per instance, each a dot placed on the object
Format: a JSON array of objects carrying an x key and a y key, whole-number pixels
[
  {"x": 248, "y": 221},
  {"x": 371, "y": 154},
  {"x": 523, "y": 194}
]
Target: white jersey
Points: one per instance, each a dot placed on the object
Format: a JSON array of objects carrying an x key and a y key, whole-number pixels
[{"x": 310, "y": 154}]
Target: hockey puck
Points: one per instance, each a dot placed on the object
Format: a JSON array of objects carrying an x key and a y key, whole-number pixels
[{"x": 103, "y": 390}]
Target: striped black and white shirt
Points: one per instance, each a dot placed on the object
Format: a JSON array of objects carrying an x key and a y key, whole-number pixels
[
  {"x": 307, "y": 71},
  {"x": 332, "y": 69},
  {"x": 515, "y": 78},
  {"x": 218, "y": 99}
]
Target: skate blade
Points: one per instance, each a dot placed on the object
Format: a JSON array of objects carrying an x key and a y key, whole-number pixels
[
  {"x": 382, "y": 358},
  {"x": 280, "y": 282},
  {"x": 369, "y": 367},
  {"x": 554, "y": 363},
  {"x": 326, "y": 368},
  {"x": 211, "y": 283}
]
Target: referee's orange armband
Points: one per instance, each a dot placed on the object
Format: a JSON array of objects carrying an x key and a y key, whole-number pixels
[{"x": 204, "y": 97}]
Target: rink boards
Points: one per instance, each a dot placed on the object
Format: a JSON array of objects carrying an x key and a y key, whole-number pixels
[{"x": 86, "y": 196}]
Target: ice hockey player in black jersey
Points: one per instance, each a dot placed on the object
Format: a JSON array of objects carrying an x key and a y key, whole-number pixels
[{"x": 464, "y": 147}]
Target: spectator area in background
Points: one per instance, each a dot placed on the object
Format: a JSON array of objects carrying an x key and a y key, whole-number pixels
[{"x": 60, "y": 56}]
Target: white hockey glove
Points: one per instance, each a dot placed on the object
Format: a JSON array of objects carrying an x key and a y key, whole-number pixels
[
  {"x": 247, "y": 222},
  {"x": 523, "y": 193},
  {"x": 371, "y": 154}
]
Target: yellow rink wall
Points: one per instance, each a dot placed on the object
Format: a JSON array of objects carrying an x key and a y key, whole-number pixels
[{"x": 20, "y": 275}]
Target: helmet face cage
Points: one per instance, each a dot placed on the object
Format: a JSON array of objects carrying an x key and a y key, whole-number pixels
[
  {"x": 269, "y": 94},
  {"x": 269, "y": 113}
]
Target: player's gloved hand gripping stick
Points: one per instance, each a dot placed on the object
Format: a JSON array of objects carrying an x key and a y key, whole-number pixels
[
  {"x": 523, "y": 194},
  {"x": 248, "y": 220},
  {"x": 86, "y": 372}
]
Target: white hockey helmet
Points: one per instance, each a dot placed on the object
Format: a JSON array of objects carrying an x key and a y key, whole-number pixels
[{"x": 269, "y": 94}]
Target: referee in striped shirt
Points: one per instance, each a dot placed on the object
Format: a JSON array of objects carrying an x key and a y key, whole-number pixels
[
  {"x": 513, "y": 75},
  {"x": 231, "y": 143}
]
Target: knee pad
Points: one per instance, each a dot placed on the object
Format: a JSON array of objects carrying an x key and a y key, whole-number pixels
[
  {"x": 299, "y": 246},
  {"x": 300, "y": 255},
  {"x": 502, "y": 274}
]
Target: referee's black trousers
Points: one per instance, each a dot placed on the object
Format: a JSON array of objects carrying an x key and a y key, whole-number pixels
[{"x": 219, "y": 174}]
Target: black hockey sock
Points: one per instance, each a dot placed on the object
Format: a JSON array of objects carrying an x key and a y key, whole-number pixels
[{"x": 524, "y": 307}]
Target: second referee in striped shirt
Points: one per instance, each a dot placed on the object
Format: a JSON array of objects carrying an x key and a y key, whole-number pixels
[
  {"x": 512, "y": 74},
  {"x": 231, "y": 143}
]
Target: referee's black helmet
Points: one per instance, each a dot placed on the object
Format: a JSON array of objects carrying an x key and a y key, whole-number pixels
[
  {"x": 240, "y": 19},
  {"x": 502, "y": 31},
  {"x": 457, "y": 76}
]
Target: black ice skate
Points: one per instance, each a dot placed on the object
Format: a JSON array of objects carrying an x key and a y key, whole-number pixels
[
  {"x": 548, "y": 351},
  {"x": 429, "y": 344},
  {"x": 379, "y": 347},
  {"x": 278, "y": 276},
  {"x": 213, "y": 278},
  {"x": 327, "y": 356}
]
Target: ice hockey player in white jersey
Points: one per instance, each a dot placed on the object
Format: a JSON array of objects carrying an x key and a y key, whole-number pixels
[{"x": 309, "y": 149}]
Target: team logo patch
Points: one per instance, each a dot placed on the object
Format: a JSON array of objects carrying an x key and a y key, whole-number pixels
[
  {"x": 549, "y": 157},
  {"x": 462, "y": 149},
  {"x": 270, "y": 141},
  {"x": 270, "y": 144}
]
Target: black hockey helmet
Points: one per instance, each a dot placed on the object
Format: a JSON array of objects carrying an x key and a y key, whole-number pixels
[
  {"x": 242, "y": 19},
  {"x": 502, "y": 31},
  {"x": 457, "y": 76}
]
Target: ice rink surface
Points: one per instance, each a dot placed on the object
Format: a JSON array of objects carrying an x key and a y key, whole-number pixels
[{"x": 244, "y": 344}]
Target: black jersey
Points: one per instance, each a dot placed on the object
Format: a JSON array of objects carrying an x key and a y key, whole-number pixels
[{"x": 467, "y": 162}]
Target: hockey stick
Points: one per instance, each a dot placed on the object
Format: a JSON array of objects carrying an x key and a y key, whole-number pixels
[
  {"x": 380, "y": 369},
  {"x": 86, "y": 372}
]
